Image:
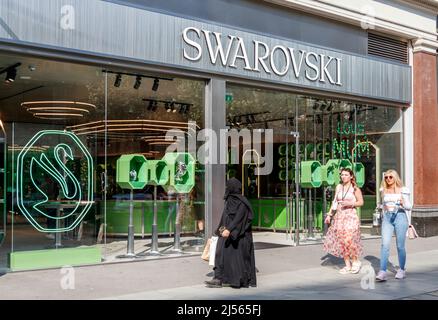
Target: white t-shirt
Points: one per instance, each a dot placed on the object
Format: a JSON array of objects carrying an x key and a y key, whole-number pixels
[{"x": 390, "y": 200}]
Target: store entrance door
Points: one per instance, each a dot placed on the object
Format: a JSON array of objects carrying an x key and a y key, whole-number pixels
[{"x": 3, "y": 186}]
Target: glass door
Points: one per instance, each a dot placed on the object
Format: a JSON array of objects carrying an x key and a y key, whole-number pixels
[{"x": 3, "y": 153}]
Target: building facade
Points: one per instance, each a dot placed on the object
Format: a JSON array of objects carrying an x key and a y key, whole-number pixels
[{"x": 93, "y": 88}]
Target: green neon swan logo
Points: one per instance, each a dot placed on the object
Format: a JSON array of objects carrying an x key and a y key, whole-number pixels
[
  {"x": 32, "y": 168},
  {"x": 49, "y": 169}
]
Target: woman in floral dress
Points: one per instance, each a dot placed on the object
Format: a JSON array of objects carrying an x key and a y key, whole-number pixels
[{"x": 343, "y": 236}]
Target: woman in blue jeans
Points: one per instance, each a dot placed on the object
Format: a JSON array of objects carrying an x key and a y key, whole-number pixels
[{"x": 396, "y": 206}]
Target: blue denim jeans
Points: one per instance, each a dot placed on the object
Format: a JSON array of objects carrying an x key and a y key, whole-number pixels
[{"x": 390, "y": 222}]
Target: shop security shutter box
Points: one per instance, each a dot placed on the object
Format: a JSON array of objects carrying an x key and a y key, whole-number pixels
[
  {"x": 132, "y": 171},
  {"x": 311, "y": 175}
]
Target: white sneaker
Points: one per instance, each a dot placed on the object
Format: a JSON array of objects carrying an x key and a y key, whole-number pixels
[
  {"x": 356, "y": 267},
  {"x": 381, "y": 276},
  {"x": 401, "y": 274},
  {"x": 345, "y": 270}
]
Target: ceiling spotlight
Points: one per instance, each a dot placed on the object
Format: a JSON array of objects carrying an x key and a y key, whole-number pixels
[
  {"x": 137, "y": 82},
  {"x": 238, "y": 120},
  {"x": 10, "y": 75},
  {"x": 172, "y": 106},
  {"x": 151, "y": 105},
  {"x": 330, "y": 106},
  {"x": 323, "y": 105},
  {"x": 118, "y": 80},
  {"x": 156, "y": 84},
  {"x": 155, "y": 106},
  {"x": 166, "y": 105}
]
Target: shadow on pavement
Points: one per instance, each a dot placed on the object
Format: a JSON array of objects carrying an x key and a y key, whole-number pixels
[{"x": 375, "y": 263}]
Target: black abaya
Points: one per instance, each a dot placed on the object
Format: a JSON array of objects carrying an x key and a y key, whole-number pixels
[{"x": 234, "y": 260}]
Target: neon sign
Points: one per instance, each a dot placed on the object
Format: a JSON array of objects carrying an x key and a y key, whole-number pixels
[
  {"x": 31, "y": 169},
  {"x": 341, "y": 147}
]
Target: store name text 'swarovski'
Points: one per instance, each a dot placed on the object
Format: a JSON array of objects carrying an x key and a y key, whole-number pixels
[{"x": 279, "y": 60}]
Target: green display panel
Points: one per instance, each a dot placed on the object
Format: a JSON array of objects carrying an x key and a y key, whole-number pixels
[
  {"x": 42, "y": 259},
  {"x": 359, "y": 172},
  {"x": 345, "y": 164},
  {"x": 132, "y": 171},
  {"x": 311, "y": 174},
  {"x": 330, "y": 173},
  {"x": 272, "y": 214},
  {"x": 117, "y": 214},
  {"x": 158, "y": 172},
  {"x": 181, "y": 172},
  {"x": 175, "y": 172}
]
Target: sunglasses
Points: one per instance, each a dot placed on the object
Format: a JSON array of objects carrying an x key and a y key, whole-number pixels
[{"x": 388, "y": 177}]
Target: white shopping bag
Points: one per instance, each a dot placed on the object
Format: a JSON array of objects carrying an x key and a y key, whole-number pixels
[{"x": 212, "y": 253}]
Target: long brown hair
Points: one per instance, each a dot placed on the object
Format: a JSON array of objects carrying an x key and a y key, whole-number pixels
[{"x": 353, "y": 177}]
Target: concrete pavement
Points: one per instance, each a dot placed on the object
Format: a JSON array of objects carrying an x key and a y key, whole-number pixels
[{"x": 287, "y": 272}]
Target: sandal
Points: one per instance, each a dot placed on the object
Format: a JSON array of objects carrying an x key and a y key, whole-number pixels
[
  {"x": 356, "y": 267},
  {"x": 345, "y": 270}
]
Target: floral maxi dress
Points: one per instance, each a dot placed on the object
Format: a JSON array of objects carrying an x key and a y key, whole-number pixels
[{"x": 343, "y": 236}]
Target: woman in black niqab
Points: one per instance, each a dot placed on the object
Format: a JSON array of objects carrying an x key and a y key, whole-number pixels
[{"x": 234, "y": 260}]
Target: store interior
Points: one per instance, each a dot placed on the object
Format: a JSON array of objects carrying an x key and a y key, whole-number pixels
[
  {"x": 116, "y": 112},
  {"x": 112, "y": 112}
]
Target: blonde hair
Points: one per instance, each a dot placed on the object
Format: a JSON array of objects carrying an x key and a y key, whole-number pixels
[{"x": 398, "y": 181}]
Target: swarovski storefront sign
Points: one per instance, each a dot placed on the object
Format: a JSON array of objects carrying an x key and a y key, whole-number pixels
[
  {"x": 280, "y": 59},
  {"x": 127, "y": 33}
]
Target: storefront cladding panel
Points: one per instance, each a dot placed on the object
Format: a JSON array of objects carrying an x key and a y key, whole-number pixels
[
  {"x": 266, "y": 18},
  {"x": 131, "y": 33}
]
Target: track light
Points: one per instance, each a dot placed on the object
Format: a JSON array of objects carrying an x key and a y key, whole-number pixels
[
  {"x": 118, "y": 80},
  {"x": 11, "y": 74},
  {"x": 155, "y": 106},
  {"x": 172, "y": 106},
  {"x": 151, "y": 105},
  {"x": 184, "y": 108},
  {"x": 137, "y": 82},
  {"x": 330, "y": 106},
  {"x": 156, "y": 84}
]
